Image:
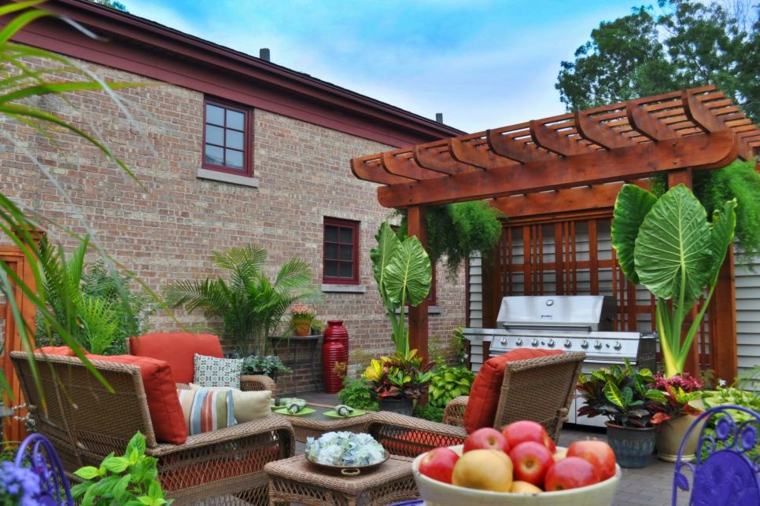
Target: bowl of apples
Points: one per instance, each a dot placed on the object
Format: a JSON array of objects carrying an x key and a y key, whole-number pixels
[{"x": 519, "y": 466}]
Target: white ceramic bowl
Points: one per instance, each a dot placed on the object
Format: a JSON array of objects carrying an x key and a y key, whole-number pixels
[{"x": 437, "y": 493}]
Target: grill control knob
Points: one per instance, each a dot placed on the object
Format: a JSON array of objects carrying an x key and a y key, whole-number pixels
[
  {"x": 598, "y": 345},
  {"x": 584, "y": 344},
  {"x": 551, "y": 343},
  {"x": 618, "y": 346},
  {"x": 519, "y": 341},
  {"x": 503, "y": 341},
  {"x": 568, "y": 343},
  {"x": 534, "y": 343}
]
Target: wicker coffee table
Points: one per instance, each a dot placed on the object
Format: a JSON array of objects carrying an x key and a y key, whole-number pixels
[
  {"x": 316, "y": 424},
  {"x": 296, "y": 480}
]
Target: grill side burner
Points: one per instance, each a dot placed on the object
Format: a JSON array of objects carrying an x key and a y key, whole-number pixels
[{"x": 569, "y": 323}]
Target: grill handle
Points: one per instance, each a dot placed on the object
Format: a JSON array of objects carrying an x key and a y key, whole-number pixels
[{"x": 528, "y": 326}]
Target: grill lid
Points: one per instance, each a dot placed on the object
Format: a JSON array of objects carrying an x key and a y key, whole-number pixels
[{"x": 573, "y": 312}]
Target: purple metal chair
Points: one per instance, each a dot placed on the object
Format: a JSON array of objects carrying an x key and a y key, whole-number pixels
[
  {"x": 727, "y": 466},
  {"x": 37, "y": 452}
]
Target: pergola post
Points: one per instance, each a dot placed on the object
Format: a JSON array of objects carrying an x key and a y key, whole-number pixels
[
  {"x": 418, "y": 316},
  {"x": 724, "y": 350}
]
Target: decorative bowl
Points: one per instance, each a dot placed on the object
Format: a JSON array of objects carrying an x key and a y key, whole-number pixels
[
  {"x": 437, "y": 493},
  {"x": 348, "y": 470}
]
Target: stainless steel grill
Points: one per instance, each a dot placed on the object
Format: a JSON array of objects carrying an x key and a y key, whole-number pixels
[{"x": 570, "y": 323}]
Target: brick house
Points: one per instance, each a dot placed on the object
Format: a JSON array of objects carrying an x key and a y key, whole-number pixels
[{"x": 230, "y": 150}]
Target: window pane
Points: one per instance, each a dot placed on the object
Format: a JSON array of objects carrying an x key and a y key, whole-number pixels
[
  {"x": 346, "y": 270},
  {"x": 331, "y": 269},
  {"x": 346, "y": 253},
  {"x": 234, "y": 139},
  {"x": 214, "y": 155},
  {"x": 346, "y": 236},
  {"x": 234, "y": 159},
  {"x": 331, "y": 234},
  {"x": 215, "y": 135},
  {"x": 214, "y": 115},
  {"x": 331, "y": 251},
  {"x": 235, "y": 120}
]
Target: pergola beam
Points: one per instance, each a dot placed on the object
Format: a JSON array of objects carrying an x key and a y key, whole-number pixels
[{"x": 597, "y": 167}]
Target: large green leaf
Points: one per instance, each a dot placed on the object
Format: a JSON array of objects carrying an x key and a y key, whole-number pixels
[
  {"x": 387, "y": 243},
  {"x": 631, "y": 207},
  {"x": 408, "y": 275},
  {"x": 722, "y": 231},
  {"x": 673, "y": 253}
]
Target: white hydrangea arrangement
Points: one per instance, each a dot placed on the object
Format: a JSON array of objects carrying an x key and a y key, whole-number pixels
[{"x": 344, "y": 449}]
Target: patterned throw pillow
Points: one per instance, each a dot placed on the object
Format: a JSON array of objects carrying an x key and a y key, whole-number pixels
[
  {"x": 217, "y": 372},
  {"x": 207, "y": 410},
  {"x": 248, "y": 405}
]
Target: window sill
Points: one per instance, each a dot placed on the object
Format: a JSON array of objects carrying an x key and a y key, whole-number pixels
[
  {"x": 431, "y": 310},
  {"x": 329, "y": 288},
  {"x": 224, "y": 177}
]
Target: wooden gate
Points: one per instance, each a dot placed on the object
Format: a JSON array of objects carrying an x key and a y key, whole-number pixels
[{"x": 13, "y": 429}]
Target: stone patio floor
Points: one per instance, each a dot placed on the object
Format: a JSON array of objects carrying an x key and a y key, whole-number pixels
[{"x": 651, "y": 486}]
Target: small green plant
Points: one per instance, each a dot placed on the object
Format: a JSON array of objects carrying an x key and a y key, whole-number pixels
[
  {"x": 448, "y": 383},
  {"x": 267, "y": 365},
  {"x": 428, "y": 412},
  {"x": 128, "y": 480},
  {"x": 356, "y": 393}
]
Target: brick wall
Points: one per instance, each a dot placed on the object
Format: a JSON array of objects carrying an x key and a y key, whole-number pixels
[{"x": 166, "y": 230}]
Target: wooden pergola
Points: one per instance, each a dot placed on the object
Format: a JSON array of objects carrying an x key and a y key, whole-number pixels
[{"x": 572, "y": 164}]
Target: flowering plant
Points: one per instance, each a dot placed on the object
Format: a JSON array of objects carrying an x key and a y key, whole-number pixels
[
  {"x": 18, "y": 485},
  {"x": 399, "y": 376},
  {"x": 344, "y": 449},
  {"x": 677, "y": 392},
  {"x": 302, "y": 311}
]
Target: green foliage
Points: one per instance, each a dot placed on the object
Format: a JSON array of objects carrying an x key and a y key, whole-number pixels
[
  {"x": 399, "y": 376},
  {"x": 668, "y": 246},
  {"x": 625, "y": 396},
  {"x": 429, "y": 412},
  {"x": 448, "y": 383},
  {"x": 357, "y": 394},
  {"x": 94, "y": 307},
  {"x": 457, "y": 231},
  {"x": 403, "y": 274},
  {"x": 268, "y": 365},
  {"x": 131, "y": 479},
  {"x": 690, "y": 44},
  {"x": 250, "y": 305}
]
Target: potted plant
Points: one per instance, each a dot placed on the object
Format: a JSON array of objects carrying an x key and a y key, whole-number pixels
[
  {"x": 682, "y": 399},
  {"x": 302, "y": 316},
  {"x": 268, "y": 365},
  {"x": 399, "y": 381},
  {"x": 628, "y": 399},
  {"x": 669, "y": 246}
]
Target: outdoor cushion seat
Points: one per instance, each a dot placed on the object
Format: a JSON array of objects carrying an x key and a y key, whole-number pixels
[
  {"x": 86, "y": 421},
  {"x": 539, "y": 389},
  {"x": 179, "y": 349}
]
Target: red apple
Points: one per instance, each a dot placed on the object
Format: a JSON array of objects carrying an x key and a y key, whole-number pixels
[
  {"x": 531, "y": 460},
  {"x": 526, "y": 430},
  {"x": 598, "y": 454},
  {"x": 486, "y": 438},
  {"x": 438, "y": 464},
  {"x": 568, "y": 473}
]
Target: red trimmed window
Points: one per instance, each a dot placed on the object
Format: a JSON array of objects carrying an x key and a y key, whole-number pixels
[
  {"x": 227, "y": 135},
  {"x": 341, "y": 252}
]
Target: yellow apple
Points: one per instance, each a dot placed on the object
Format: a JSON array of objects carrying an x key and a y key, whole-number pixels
[
  {"x": 523, "y": 487},
  {"x": 484, "y": 470}
]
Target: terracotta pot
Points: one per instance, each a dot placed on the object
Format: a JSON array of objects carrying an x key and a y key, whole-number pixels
[
  {"x": 302, "y": 326},
  {"x": 633, "y": 446},
  {"x": 670, "y": 436}
]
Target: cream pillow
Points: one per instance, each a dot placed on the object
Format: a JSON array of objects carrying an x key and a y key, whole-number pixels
[{"x": 247, "y": 405}]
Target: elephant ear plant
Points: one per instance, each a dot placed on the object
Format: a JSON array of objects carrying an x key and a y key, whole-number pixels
[
  {"x": 668, "y": 246},
  {"x": 403, "y": 274}
]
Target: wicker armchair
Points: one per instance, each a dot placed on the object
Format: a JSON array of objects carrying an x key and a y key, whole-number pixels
[
  {"x": 539, "y": 389},
  {"x": 85, "y": 422}
]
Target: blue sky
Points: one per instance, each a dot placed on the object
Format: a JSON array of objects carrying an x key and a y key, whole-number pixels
[{"x": 482, "y": 63}]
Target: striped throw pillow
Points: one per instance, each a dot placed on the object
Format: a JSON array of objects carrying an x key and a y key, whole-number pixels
[{"x": 207, "y": 410}]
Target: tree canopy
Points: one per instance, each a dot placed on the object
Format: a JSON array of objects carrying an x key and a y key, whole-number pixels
[{"x": 680, "y": 44}]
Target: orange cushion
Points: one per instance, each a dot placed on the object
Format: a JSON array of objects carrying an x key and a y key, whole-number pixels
[
  {"x": 177, "y": 349},
  {"x": 161, "y": 392},
  {"x": 56, "y": 350},
  {"x": 486, "y": 389}
]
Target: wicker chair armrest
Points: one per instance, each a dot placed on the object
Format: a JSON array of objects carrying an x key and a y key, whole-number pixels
[
  {"x": 408, "y": 437},
  {"x": 208, "y": 440},
  {"x": 257, "y": 382},
  {"x": 453, "y": 414}
]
